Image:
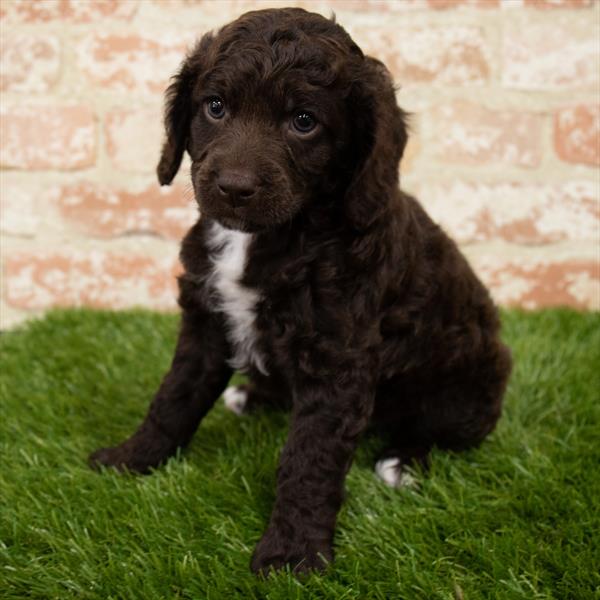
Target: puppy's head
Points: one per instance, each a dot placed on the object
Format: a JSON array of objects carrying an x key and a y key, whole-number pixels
[{"x": 278, "y": 111}]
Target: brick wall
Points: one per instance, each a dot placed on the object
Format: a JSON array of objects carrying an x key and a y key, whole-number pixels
[{"x": 504, "y": 152}]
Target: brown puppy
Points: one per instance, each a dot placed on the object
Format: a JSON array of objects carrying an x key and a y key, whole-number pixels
[{"x": 313, "y": 272}]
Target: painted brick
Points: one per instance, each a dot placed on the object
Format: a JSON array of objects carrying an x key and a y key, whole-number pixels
[
  {"x": 551, "y": 55},
  {"x": 517, "y": 213},
  {"x": 450, "y": 55},
  {"x": 29, "y": 63},
  {"x": 78, "y": 11},
  {"x": 105, "y": 212},
  {"x": 213, "y": 13},
  {"x": 223, "y": 11},
  {"x": 558, "y": 3},
  {"x": 445, "y": 4},
  {"x": 134, "y": 138},
  {"x": 556, "y": 54},
  {"x": 126, "y": 62},
  {"x": 471, "y": 134},
  {"x": 17, "y": 210},
  {"x": 577, "y": 134},
  {"x": 37, "y": 280},
  {"x": 538, "y": 283},
  {"x": 364, "y": 6},
  {"x": 47, "y": 137}
]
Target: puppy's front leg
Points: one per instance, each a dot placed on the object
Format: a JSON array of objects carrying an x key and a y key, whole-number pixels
[
  {"x": 198, "y": 375},
  {"x": 326, "y": 422}
]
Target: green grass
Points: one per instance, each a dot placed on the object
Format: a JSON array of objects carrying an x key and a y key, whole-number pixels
[{"x": 516, "y": 518}]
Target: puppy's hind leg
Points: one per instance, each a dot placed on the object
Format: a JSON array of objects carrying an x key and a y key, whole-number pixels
[
  {"x": 456, "y": 412},
  {"x": 399, "y": 419}
]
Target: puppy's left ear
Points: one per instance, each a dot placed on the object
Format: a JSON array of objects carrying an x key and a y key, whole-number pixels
[
  {"x": 379, "y": 140},
  {"x": 179, "y": 110}
]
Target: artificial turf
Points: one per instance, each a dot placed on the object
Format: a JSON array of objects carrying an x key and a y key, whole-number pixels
[{"x": 516, "y": 518}]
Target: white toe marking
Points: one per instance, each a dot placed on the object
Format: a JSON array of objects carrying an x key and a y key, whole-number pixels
[
  {"x": 235, "y": 399},
  {"x": 389, "y": 471}
]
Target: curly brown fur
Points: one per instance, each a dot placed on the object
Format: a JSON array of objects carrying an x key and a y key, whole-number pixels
[{"x": 365, "y": 311}]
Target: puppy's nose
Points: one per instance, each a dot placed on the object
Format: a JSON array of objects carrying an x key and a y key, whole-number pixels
[{"x": 237, "y": 186}]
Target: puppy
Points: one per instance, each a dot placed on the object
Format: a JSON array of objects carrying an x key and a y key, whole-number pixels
[{"x": 311, "y": 271}]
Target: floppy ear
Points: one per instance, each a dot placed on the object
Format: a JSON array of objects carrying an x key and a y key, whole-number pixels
[
  {"x": 179, "y": 110},
  {"x": 380, "y": 138}
]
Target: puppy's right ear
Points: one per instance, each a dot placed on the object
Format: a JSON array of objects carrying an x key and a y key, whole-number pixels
[{"x": 179, "y": 110}]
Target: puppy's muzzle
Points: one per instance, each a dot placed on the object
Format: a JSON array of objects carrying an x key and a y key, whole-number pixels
[{"x": 237, "y": 187}]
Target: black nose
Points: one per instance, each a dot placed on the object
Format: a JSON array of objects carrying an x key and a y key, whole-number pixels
[{"x": 237, "y": 186}]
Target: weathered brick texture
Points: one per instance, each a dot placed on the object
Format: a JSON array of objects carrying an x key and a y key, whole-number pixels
[
  {"x": 18, "y": 215},
  {"x": 534, "y": 283},
  {"x": 96, "y": 278},
  {"x": 131, "y": 62},
  {"x": 47, "y": 137},
  {"x": 76, "y": 11},
  {"x": 440, "y": 55},
  {"x": 551, "y": 55},
  {"x": 557, "y": 3},
  {"x": 134, "y": 138},
  {"x": 468, "y": 133},
  {"x": 577, "y": 134},
  {"x": 504, "y": 149},
  {"x": 528, "y": 214},
  {"x": 100, "y": 211},
  {"x": 29, "y": 62},
  {"x": 445, "y": 4}
]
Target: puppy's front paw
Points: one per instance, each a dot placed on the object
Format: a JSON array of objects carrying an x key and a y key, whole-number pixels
[
  {"x": 138, "y": 454},
  {"x": 106, "y": 457},
  {"x": 275, "y": 551},
  {"x": 119, "y": 458}
]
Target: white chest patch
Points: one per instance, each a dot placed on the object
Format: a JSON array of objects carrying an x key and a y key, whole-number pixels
[{"x": 238, "y": 303}]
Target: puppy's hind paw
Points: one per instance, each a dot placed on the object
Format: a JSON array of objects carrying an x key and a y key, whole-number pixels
[
  {"x": 236, "y": 398},
  {"x": 392, "y": 473}
]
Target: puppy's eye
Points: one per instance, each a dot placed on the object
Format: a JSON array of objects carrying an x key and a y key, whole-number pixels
[
  {"x": 215, "y": 107},
  {"x": 303, "y": 122}
]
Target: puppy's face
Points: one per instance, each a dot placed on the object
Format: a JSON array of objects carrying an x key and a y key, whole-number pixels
[
  {"x": 266, "y": 130},
  {"x": 273, "y": 114}
]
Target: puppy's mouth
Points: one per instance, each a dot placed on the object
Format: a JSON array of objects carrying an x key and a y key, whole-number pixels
[
  {"x": 240, "y": 223},
  {"x": 246, "y": 218},
  {"x": 263, "y": 212}
]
